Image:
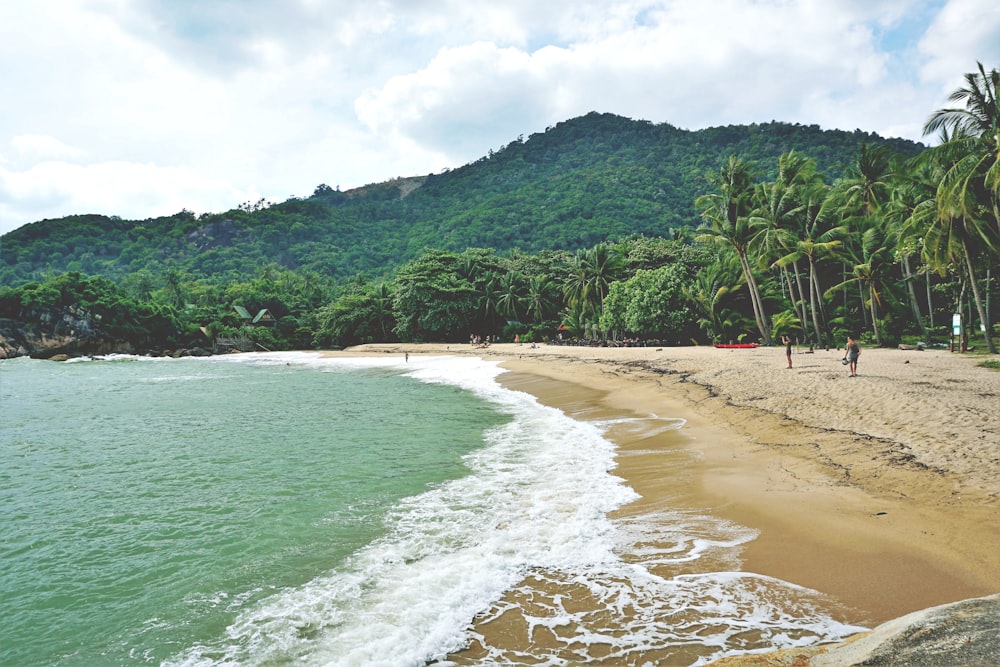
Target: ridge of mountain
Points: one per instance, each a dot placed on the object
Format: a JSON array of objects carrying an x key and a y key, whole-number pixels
[{"x": 582, "y": 181}]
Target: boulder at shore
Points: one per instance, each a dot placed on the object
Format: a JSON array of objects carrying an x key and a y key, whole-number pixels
[{"x": 960, "y": 634}]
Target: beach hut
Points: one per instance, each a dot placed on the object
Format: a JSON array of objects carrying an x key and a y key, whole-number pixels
[
  {"x": 264, "y": 318},
  {"x": 244, "y": 315}
]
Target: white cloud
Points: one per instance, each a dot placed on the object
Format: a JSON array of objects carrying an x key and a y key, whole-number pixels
[
  {"x": 139, "y": 107},
  {"x": 691, "y": 64},
  {"x": 136, "y": 190},
  {"x": 36, "y": 147},
  {"x": 966, "y": 31},
  {"x": 466, "y": 101}
]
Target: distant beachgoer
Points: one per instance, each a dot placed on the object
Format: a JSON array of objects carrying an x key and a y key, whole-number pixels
[
  {"x": 788, "y": 349},
  {"x": 407, "y": 356},
  {"x": 517, "y": 339},
  {"x": 851, "y": 353}
]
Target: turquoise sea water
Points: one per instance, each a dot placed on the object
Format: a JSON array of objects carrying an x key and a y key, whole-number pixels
[{"x": 288, "y": 508}]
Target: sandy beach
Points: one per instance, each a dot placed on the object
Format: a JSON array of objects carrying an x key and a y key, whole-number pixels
[{"x": 881, "y": 491}]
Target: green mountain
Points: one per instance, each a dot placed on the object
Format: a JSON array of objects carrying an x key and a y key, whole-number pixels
[{"x": 582, "y": 181}]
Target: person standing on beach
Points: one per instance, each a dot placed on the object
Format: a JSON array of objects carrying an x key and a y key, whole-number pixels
[
  {"x": 851, "y": 353},
  {"x": 788, "y": 349}
]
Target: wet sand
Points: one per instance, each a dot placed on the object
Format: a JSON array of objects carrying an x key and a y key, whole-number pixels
[{"x": 881, "y": 491}]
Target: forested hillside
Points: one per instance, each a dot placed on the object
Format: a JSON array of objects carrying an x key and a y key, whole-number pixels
[
  {"x": 586, "y": 180},
  {"x": 601, "y": 230}
]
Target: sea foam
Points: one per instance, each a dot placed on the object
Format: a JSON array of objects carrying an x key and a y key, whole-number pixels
[{"x": 526, "y": 532}]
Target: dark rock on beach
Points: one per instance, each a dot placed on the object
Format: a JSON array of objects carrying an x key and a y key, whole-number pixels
[
  {"x": 961, "y": 634},
  {"x": 72, "y": 331}
]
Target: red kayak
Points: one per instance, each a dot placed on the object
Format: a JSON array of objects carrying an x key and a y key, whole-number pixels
[{"x": 736, "y": 346}]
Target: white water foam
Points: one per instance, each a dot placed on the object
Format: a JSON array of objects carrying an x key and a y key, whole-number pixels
[{"x": 531, "y": 515}]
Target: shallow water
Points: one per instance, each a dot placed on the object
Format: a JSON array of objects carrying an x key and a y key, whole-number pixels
[{"x": 266, "y": 509}]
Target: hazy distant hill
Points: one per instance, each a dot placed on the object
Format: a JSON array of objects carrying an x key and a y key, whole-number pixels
[{"x": 584, "y": 180}]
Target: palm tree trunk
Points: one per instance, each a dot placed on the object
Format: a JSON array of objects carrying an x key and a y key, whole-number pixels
[
  {"x": 755, "y": 300},
  {"x": 796, "y": 297},
  {"x": 908, "y": 278},
  {"x": 813, "y": 290},
  {"x": 760, "y": 316},
  {"x": 975, "y": 295},
  {"x": 820, "y": 306},
  {"x": 874, "y": 309},
  {"x": 791, "y": 293},
  {"x": 806, "y": 306},
  {"x": 864, "y": 313},
  {"x": 861, "y": 298},
  {"x": 930, "y": 305},
  {"x": 996, "y": 205},
  {"x": 958, "y": 310}
]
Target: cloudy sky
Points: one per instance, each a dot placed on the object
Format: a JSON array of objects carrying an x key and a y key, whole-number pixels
[{"x": 140, "y": 108}]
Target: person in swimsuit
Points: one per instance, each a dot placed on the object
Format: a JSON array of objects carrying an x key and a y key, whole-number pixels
[
  {"x": 851, "y": 352},
  {"x": 788, "y": 349}
]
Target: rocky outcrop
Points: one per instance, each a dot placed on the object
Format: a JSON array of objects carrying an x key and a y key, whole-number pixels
[
  {"x": 217, "y": 234},
  {"x": 961, "y": 634},
  {"x": 46, "y": 332},
  {"x": 60, "y": 334},
  {"x": 72, "y": 331},
  {"x": 13, "y": 341}
]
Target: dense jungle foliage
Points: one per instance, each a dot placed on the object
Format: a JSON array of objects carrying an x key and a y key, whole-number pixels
[
  {"x": 581, "y": 182},
  {"x": 601, "y": 228}
]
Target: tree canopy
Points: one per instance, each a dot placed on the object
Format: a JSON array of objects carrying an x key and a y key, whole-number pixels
[
  {"x": 601, "y": 230},
  {"x": 596, "y": 178}
]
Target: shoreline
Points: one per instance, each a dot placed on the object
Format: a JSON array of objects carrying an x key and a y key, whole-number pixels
[
  {"x": 880, "y": 491},
  {"x": 885, "y": 538}
]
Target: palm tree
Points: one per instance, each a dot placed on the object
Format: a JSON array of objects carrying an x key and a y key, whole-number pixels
[
  {"x": 871, "y": 269},
  {"x": 713, "y": 295},
  {"x": 968, "y": 195},
  {"x": 173, "y": 287},
  {"x": 817, "y": 238},
  {"x": 605, "y": 264},
  {"x": 591, "y": 271},
  {"x": 574, "y": 320},
  {"x": 727, "y": 223},
  {"x": 489, "y": 299},
  {"x": 141, "y": 285},
  {"x": 382, "y": 301},
  {"x": 948, "y": 240},
  {"x": 576, "y": 286},
  {"x": 911, "y": 198},
  {"x": 777, "y": 217},
  {"x": 974, "y": 132},
  {"x": 861, "y": 195},
  {"x": 541, "y": 298},
  {"x": 868, "y": 182},
  {"x": 511, "y": 295}
]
